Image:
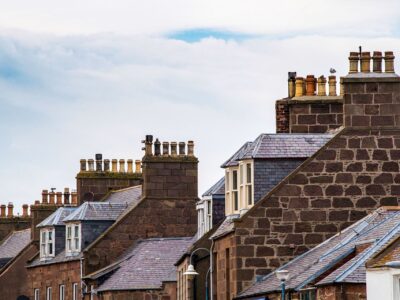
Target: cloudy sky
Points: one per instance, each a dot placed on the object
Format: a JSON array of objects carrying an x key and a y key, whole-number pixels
[{"x": 94, "y": 76}]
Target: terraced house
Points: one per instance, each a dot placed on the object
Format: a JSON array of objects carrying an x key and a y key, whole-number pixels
[{"x": 318, "y": 198}]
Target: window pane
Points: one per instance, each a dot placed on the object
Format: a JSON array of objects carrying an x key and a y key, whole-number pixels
[
  {"x": 50, "y": 235},
  {"x": 249, "y": 195},
  {"x": 76, "y": 233},
  {"x": 248, "y": 175},
  {"x": 236, "y": 200},
  {"x": 50, "y": 248},
  {"x": 234, "y": 180},
  {"x": 241, "y": 173}
]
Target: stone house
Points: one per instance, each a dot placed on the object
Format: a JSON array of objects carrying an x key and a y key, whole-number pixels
[
  {"x": 334, "y": 269},
  {"x": 354, "y": 173}
]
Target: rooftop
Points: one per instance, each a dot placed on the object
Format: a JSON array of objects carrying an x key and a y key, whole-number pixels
[
  {"x": 128, "y": 195},
  {"x": 56, "y": 218},
  {"x": 13, "y": 244},
  {"x": 351, "y": 247},
  {"x": 97, "y": 211},
  {"x": 280, "y": 145},
  {"x": 217, "y": 189},
  {"x": 147, "y": 265}
]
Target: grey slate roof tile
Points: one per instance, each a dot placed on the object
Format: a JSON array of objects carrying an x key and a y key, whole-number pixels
[
  {"x": 147, "y": 265},
  {"x": 14, "y": 243},
  {"x": 217, "y": 189},
  {"x": 376, "y": 230},
  {"x": 279, "y": 145},
  {"x": 56, "y": 218},
  {"x": 128, "y": 195},
  {"x": 97, "y": 211},
  {"x": 225, "y": 227},
  {"x": 59, "y": 258}
]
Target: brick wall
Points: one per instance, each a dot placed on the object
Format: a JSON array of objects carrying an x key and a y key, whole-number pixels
[
  {"x": 268, "y": 173},
  {"x": 282, "y": 116},
  {"x": 54, "y": 275},
  {"x": 14, "y": 278},
  {"x": 315, "y": 116}
]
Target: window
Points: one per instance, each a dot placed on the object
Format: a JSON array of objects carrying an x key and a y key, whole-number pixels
[
  {"x": 73, "y": 239},
  {"x": 62, "y": 292},
  {"x": 48, "y": 293},
  {"x": 74, "y": 291},
  {"x": 37, "y": 294},
  {"x": 209, "y": 215},
  {"x": 46, "y": 243},
  {"x": 249, "y": 186},
  {"x": 235, "y": 191}
]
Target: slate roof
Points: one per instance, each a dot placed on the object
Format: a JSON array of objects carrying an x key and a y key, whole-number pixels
[
  {"x": 225, "y": 227},
  {"x": 389, "y": 254},
  {"x": 13, "y": 244},
  {"x": 279, "y": 145},
  {"x": 147, "y": 265},
  {"x": 59, "y": 258},
  {"x": 97, "y": 211},
  {"x": 217, "y": 189},
  {"x": 371, "y": 234},
  {"x": 130, "y": 195},
  {"x": 56, "y": 218}
]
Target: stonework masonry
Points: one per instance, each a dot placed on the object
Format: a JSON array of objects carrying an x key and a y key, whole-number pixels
[{"x": 353, "y": 174}]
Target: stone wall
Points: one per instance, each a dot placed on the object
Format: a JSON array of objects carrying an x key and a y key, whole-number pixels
[
  {"x": 168, "y": 292},
  {"x": 342, "y": 291},
  {"x": 8, "y": 225},
  {"x": 315, "y": 116},
  {"x": 54, "y": 275},
  {"x": 167, "y": 209},
  {"x": 226, "y": 275},
  {"x": 14, "y": 277},
  {"x": 282, "y": 116}
]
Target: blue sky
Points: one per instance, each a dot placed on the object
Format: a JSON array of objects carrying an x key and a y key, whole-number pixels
[{"x": 78, "y": 78}]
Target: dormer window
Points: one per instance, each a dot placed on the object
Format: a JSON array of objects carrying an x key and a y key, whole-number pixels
[
  {"x": 46, "y": 243},
  {"x": 239, "y": 190},
  {"x": 73, "y": 239}
]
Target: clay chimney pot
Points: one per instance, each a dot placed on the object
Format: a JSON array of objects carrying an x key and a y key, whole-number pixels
[{"x": 365, "y": 62}]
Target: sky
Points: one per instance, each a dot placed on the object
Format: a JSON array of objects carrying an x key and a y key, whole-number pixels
[{"x": 95, "y": 76}]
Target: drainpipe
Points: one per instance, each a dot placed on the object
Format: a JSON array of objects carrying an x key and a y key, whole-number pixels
[
  {"x": 211, "y": 269},
  {"x": 83, "y": 284}
]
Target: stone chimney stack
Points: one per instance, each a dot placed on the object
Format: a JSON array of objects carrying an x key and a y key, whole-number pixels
[
  {"x": 372, "y": 99},
  {"x": 95, "y": 179},
  {"x": 169, "y": 175}
]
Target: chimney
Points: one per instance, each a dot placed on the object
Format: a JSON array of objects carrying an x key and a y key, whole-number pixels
[
  {"x": 10, "y": 208},
  {"x": 310, "y": 85},
  {"x": 83, "y": 165},
  {"x": 377, "y": 62},
  {"x": 332, "y": 85},
  {"x": 137, "y": 166},
  {"x": 291, "y": 84},
  {"x": 148, "y": 143},
  {"x": 389, "y": 62},
  {"x": 365, "y": 62},
  {"x": 3, "y": 211},
  {"x": 94, "y": 184},
  {"x": 165, "y": 148},
  {"x": 25, "y": 210},
  {"x": 45, "y": 196},
  {"x": 114, "y": 167},
  {"x": 66, "y": 196},
  {"x": 353, "y": 58},
  {"x": 373, "y": 100},
  {"x": 51, "y": 196},
  {"x": 130, "y": 165},
  {"x": 99, "y": 162},
  {"x": 170, "y": 177},
  {"x": 299, "y": 87},
  {"x": 59, "y": 198},
  {"x": 322, "y": 86},
  {"x": 74, "y": 198}
]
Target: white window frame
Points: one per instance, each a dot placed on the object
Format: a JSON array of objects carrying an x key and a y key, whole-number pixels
[
  {"x": 49, "y": 293},
  {"x": 61, "y": 292},
  {"x": 47, "y": 246},
  {"x": 208, "y": 213},
  {"x": 75, "y": 291},
  {"x": 235, "y": 192},
  {"x": 36, "y": 293},
  {"x": 396, "y": 286},
  {"x": 73, "y": 242}
]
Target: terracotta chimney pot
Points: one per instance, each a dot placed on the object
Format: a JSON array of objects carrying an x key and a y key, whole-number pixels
[
  {"x": 321, "y": 86},
  {"x": 137, "y": 166},
  {"x": 332, "y": 85},
  {"x": 299, "y": 87},
  {"x": 10, "y": 212},
  {"x": 25, "y": 210},
  {"x": 3, "y": 211},
  {"x": 310, "y": 85},
  {"x": 377, "y": 62},
  {"x": 130, "y": 165},
  {"x": 114, "y": 166}
]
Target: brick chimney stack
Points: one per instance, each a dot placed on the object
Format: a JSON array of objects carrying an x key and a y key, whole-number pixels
[
  {"x": 169, "y": 174},
  {"x": 3, "y": 208},
  {"x": 25, "y": 208},
  {"x": 372, "y": 99}
]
